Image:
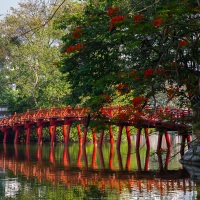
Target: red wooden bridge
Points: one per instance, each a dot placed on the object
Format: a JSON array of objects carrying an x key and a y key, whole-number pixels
[{"x": 168, "y": 119}]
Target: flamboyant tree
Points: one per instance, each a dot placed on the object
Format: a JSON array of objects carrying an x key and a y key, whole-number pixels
[{"x": 137, "y": 52}]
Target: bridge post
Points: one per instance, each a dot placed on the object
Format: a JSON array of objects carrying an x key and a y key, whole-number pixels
[
  {"x": 147, "y": 138},
  {"x": 138, "y": 138},
  {"x": 28, "y": 156},
  {"x": 79, "y": 134},
  {"x": 85, "y": 157},
  {"x": 128, "y": 159},
  {"x": 119, "y": 138},
  {"x": 167, "y": 160},
  {"x": 79, "y": 156},
  {"x": 52, "y": 131},
  {"x": 188, "y": 140},
  {"x": 101, "y": 138},
  {"x": 111, "y": 157},
  {"x": 5, "y": 131},
  {"x": 39, "y": 133},
  {"x": 85, "y": 136},
  {"x": 160, "y": 136},
  {"x": 101, "y": 159},
  {"x": 138, "y": 161},
  {"x": 28, "y": 132},
  {"x": 16, "y": 139},
  {"x": 182, "y": 145},
  {"x": 128, "y": 134},
  {"x": 111, "y": 135},
  {"x": 94, "y": 157},
  {"x": 167, "y": 137},
  {"x": 94, "y": 136},
  {"x": 39, "y": 154},
  {"x": 66, "y": 132},
  {"x": 66, "y": 157},
  {"x": 52, "y": 158},
  {"x": 119, "y": 156},
  {"x": 146, "y": 167}
]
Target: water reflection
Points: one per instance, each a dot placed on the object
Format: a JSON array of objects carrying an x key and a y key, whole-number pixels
[{"x": 109, "y": 172}]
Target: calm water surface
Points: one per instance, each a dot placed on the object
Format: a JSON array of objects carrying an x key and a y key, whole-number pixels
[{"x": 44, "y": 172}]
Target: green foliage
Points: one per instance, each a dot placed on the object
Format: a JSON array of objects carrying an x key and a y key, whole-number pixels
[
  {"x": 151, "y": 47},
  {"x": 31, "y": 53}
]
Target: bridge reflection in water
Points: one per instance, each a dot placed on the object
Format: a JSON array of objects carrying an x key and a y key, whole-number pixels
[{"x": 133, "y": 171}]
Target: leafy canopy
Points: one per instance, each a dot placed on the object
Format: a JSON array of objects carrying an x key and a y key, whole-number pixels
[{"x": 113, "y": 52}]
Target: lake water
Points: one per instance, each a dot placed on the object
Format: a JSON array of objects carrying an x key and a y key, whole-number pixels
[{"x": 73, "y": 172}]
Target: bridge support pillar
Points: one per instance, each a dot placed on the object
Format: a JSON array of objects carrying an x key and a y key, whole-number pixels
[
  {"x": 138, "y": 138},
  {"x": 52, "y": 157},
  {"x": 111, "y": 157},
  {"x": 128, "y": 159},
  {"x": 101, "y": 139},
  {"x": 66, "y": 157},
  {"x": 147, "y": 138},
  {"x": 119, "y": 138},
  {"x": 28, "y": 155},
  {"x": 66, "y": 133},
  {"x": 160, "y": 136},
  {"x": 39, "y": 154},
  {"x": 183, "y": 141},
  {"x": 94, "y": 136},
  {"x": 79, "y": 134},
  {"x": 128, "y": 134},
  {"x": 85, "y": 135},
  {"x": 39, "y": 133},
  {"x": 80, "y": 151},
  {"x": 94, "y": 157},
  {"x": 16, "y": 138},
  {"x": 146, "y": 166},
  {"x": 28, "y": 133},
  {"x": 182, "y": 145},
  {"x": 138, "y": 161},
  {"x": 188, "y": 140},
  {"x": 5, "y": 135},
  {"x": 52, "y": 131},
  {"x": 111, "y": 135},
  {"x": 167, "y": 160},
  {"x": 167, "y": 137},
  {"x": 119, "y": 157}
]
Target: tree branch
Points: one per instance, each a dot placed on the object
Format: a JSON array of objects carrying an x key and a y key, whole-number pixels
[{"x": 46, "y": 22}]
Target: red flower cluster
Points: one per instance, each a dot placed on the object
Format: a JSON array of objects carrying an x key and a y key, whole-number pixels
[
  {"x": 112, "y": 11},
  {"x": 138, "y": 101},
  {"x": 149, "y": 72},
  {"x": 123, "y": 88},
  {"x": 157, "y": 21},
  {"x": 138, "y": 18},
  {"x": 76, "y": 47},
  {"x": 117, "y": 19},
  {"x": 183, "y": 42},
  {"x": 77, "y": 33}
]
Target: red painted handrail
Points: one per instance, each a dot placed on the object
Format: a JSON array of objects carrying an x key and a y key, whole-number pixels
[{"x": 116, "y": 113}]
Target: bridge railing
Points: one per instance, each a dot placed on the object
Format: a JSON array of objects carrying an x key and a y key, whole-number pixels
[{"x": 112, "y": 112}]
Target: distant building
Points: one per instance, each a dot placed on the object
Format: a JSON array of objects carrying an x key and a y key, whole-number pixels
[{"x": 3, "y": 110}]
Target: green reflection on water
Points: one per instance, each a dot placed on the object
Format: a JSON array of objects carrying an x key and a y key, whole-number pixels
[{"x": 44, "y": 172}]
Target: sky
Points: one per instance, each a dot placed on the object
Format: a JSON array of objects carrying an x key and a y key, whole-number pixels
[{"x": 6, "y": 4}]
